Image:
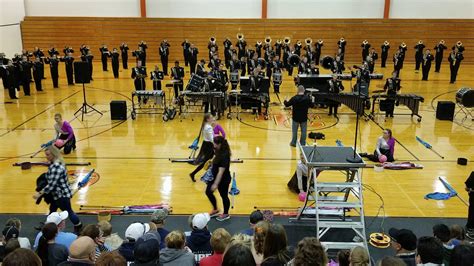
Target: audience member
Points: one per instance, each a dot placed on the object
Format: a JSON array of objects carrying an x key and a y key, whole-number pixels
[
  {"x": 359, "y": 257},
  {"x": 255, "y": 217},
  {"x": 242, "y": 239},
  {"x": 111, "y": 240},
  {"x": 429, "y": 251},
  {"x": 343, "y": 257},
  {"x": 463, "y": 255},
  {"x": 175, "y": 253},
  {"x": 158, "y": 218},
  {"x": 93, "y": 231},
  {"x": 200, "y": 239},
  {"x": 275, "y": 249},
  {"x": 81, "y": 252},
  {"x": 132, "y": 234},
  {"x": 309, "y": 252},
  {"x": 63, "y": 238},
  {"x": 9, "y": 236},
  {"x": 261, "y": 229},
  {"x": 50, "y": 252},
  {"x": 238, "y": 254},
  {"x": 219, "y": 240},
  {"x": 457, "y": 234},
  {"x": 404, "y": 244},
  {"x": 391, "y": 261},
  {"x": 441, "y": 232},
  {"x": 11, "y": 245},
  {"x": 147, "y": 250},
  {"x": 24, "y": 242},
  {"x": 22, "y": 257},
  {"x": 111, "y": 259}
]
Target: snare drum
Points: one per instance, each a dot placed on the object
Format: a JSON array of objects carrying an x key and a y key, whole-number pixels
[
  {"x": 277, "y": 77},
  {"x": 465, "y": 96},
  {"x": 234, "y": 77},
  {"x": 196, "y": 83}
]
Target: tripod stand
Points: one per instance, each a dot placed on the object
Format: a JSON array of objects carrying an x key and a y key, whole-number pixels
[
  {"x": 360, "y": 109},
  {"x": 86, "y": 108}
]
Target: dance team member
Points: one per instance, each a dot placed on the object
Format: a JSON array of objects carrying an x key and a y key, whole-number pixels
[
  {"x": 384, "y": 149},
  {"x": 207, "y": 151},
  {"x": 65, "y": 135}
]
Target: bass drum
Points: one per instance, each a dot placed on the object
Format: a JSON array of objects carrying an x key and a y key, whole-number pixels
[
  {"x": 327, "y": 62},
  {"x": 465, "y": 96}
]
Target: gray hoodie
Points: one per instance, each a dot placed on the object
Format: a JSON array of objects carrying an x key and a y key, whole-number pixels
[{"x": 178, "y": 257}]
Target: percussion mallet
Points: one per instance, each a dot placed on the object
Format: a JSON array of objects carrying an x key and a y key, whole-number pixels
[{"x": 428, "y": 146}]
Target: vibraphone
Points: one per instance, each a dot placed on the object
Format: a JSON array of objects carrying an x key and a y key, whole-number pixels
[
  {"x": 255, "y": 100},
  {"x": 357, "y": 103},
  {"x": 189, "y": 99},
  {"x": 144, "y": 97},
  {"x": 412, "y": 101},
  {"x": 320, "y": 81}
]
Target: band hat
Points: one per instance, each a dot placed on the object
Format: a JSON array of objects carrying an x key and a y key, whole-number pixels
[
  {"x": 57, "y": 217},
  {"x": 136, "y": 230},
  {"x": 200, "y": 220}
]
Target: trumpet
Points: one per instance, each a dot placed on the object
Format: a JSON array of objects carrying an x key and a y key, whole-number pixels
[
  {"x": 442, "y": 41},
  {"x": 420, "y": 41},
  {"x": 386, "y": 43},
  {"x": 287, "y": 40},
  {"x": 240, "y": 36},
  {"x": 365, "y": 42},
  {"x": 403, "y": 45},
  {"x": 342, "y": 39},
  {"x": 308, "y": 41},
  {"x": 268, "y": 40},
  {"x": 298, "y": 43},
  {"x": 459, "y": 43}
]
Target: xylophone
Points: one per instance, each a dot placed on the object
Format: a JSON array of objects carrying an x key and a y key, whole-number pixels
[
  {"x": 357, "y": 103},
  {"x": 190, "y": 98},
  {"x": 412, "y": 101},
  {"x": 158, "y": 97}
]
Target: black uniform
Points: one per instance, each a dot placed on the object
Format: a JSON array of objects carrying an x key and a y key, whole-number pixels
[
  {"x": 234, "y": 67},
  {"x": 164, "y": 53},
  {"x": 227, "y": 55},
  {"x": 243, "y": 68},
  {"x": 115, "y": 63},
  {"x": 374, "y": 56},
  {"x": 418, "y": 55},
  {"x": 37, "y": 74},
  {"x": 297, "y": 50},
  {"x": 177, "y": 73},
  {"x": 426, "y": 65},
  {"x": 139, "y": 74},
  {"x": 385, "y": 49},
  {"x": 392, "y": 86},
  {"x": 201, "y": 71},
  {"x": 193, "y": 59},
  {"x": 186, "y": 46},
  {"x": 144, "y": 46},
  {"x": 124, "y": 52},
  {"x": 40, "y": 54},
  {"x": 53, "y": 65},
  {"x": 341, "y": 48},
  {"x": 363, "y": 81},
  {"x": 104, "y": 53},
  {"x": 241, "y": 45},
  {"x": 454, "y": 63},
  {"x": 365, "y": 50},
  {"x": 317, "y": 52},
  {"x": 214, "y": 63},
  {"x": 157, "y": 77},
  {"x": 278, "y": 47},
  {"x": 309, "y": 53},
  {"x": 68, "y": 62},
  {"x": 338, "y": 67},
  {"x": 252, "y": 64},
  {"x": 335, "y": 86},
  {"x": 84, "y": 50},
  {"x": 398, "y": 63},
  {"x": 302, "y": 67},
  {"x": 53, "y": 51},
  {"x": 8, "y": 78},
  {"x": 439, "y": 48},
  {"x": 258, "y": 49},
  {"x": 209, "y": 47},
  {"x": 25, "y": 75},
  {"x": 286, "y": 56}
]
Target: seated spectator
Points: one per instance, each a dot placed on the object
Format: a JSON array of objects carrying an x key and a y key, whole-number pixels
[
  {"x": 429, "y": 251},
  {"x": 242, "y": 239},
  {"x": 158, "y": 218},
  {"x": 63, "y": 238},
  {"x": 22, "y": 257},
  {"x": 81, "y": 252},
  {"x": 404, "y": 244},
  {"x": 50, "y": 252},
  {"x": 9, "y": 233},
  {"x": 238, "y": 254},
  {"x": 255, "y": 217},
  {"x": 463, "y": 255},
  {"x": 391, "y": 261},
  {"x": 147, "y": 250},
  {"x": 93, "y": 231},
  {"x": 441, "y": 232},
  {"x": 111, "y": 259},
  {"x": 275, "y": 249},
  {"x": 175, "y": 253},
  {"x": 112, "y": 240},
  {"x": 310, "y": 252},
  {"x": 343, "y": 257},
  {"x": 24, "y": 241},
  {"x": 457, "y": 234},
  {"x": 261, "y": 229},
  {"x": 190, "y": 223},
  {"x": 6, "y": 248},
  {"x": 219, "y": 240},
  {"x": 359, "y": 257},
  {"x": 200, "y": 239},
  {"x": 132, "y": 234}
]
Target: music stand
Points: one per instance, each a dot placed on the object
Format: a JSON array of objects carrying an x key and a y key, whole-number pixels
[{"x": 81, "y": 75}]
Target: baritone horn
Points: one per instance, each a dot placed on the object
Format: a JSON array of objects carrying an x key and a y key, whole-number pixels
[
  {"x": 268, "y": 40},
  {"x": 308, "y": 41},
  {"x": 212, "y": 39},
  {"x": 240, "y": 36},
  {"x": 287, "y": 40}
]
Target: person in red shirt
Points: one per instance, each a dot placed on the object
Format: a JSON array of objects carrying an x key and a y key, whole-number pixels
[{"x": 219, "y": 241}]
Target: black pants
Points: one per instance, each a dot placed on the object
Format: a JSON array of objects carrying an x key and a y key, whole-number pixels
[
  {"x": 104, "y": 63},
  {"x": 11, "y": 92},
  {"x": 470, "y": 213},
  {"x": 205, "y": 154},
  {"x": 223, "y": 189},
  {"x": 192, "y": 67},
  {"x": 426, "y": 72},
  {"x": 333, "y": 108},
  {"x": 26, "y": 86},
  {"x": 454, "y": 72},
  {"x": 69, "y": 145},
  {"x": 418, "y": 60},
  {"x": 64, "y": 204},
  {"x": 38, "y": 84},
  {"x": 384, "y": 59},
  {"x": 186, "y": 58},
  {"x": 125, "y": 61},
  {"x": 69, "y": 74},
  {"x": 177, "y": 88},
  {"x": 438, "y": 60},
  {"x": 55, "y": 77},
  {"x": 157, "y": 85},
  {"x": 374, "y": 157},
  {"x": 115, "y": 69},
  {"x": 389, "y": 107},
  {"x": 164, "y": 65}
]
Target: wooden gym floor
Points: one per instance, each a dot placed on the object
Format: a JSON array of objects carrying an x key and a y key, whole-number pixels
[{"x": 132, "y": 156}]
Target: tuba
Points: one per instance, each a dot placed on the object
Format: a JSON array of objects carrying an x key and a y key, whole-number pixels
[
  {"x": 268, "y": 40},
  {"x": 240, "y": 36},
  {"x": 294, "y": 60},
  {"x": 308, "y": 41},
  {"x": 327, "y": 62},
  {"x": 287, "y": 40}
]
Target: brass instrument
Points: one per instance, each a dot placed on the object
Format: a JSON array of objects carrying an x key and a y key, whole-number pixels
[
  {"x": 420, "y": 41},
  {"x": 365, "y": 42},
  {"x": 386, "y": 43},
  {"x": 442, "y": 42},
  {"x": 278, "y": 41},
  {"x": 342, "y": 39},
  {"x": 240, "y": 36},
  {"x": 268, "y": 40},
  {"x": 327, "y": 62},
  {"x": 287, "y": 40},
  {"x": 259, "y": 43},
  {"x": 308, "y": 41},
  {"x": 212, "y": 40},
  {"x": 403, "y": 45},
  {"x": 298, "y": 43},
  {"x": 320, "y": 41},
  {"x": 294, "y": 60}
]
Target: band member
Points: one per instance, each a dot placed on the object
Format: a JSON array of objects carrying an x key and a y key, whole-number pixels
[
  {"x": 298, "y": 46},
  {"x": 65, "y": 133},
  {"x": 89, "y": 58},
  {"x": 455, "y": 59},
  {"x": 177, "y": 73},
  {"x": 234, "y": 67},
  {"x": 185, "y": 44},
  {"x": 84, "y": 49},
  {"x": 139, "y": 55},
  {"x": 144, "y": 46},
  {"x": 460, "y": 46},
  {"x": 252, "y": 64},
  {"x": 439, "y": 48},
  {"x": 214, "y": 62},
  {"x": 212, "y": 52},
  {"x": 8, "y": 77},
  {"x": 227, "y": 56},
  {"x": 68, "y": 62},
  {"x": 363, "y": 79},
  {"x": 385, "y": 47},
  {"x": 243, "y": 66},
  {"x": 303, "y": 66},
  {"x": 164, "y": 53},
  {"x": 286, "y": 51},
  {"x": 38, "y": 53},
  {"x": 278, "y": 48},
  {"x": 335, "y": 86},
  {"x": 157, "y": 76},
  {"x": 341, "y": 47},
  {"x": 269, "y": 53},
  {"x": 25, "y": 74},
  {"x": 37, "y": 75},
  {"x": 53, "y": 51},
  {"x": 277, "y": 75},
  {"x": 67, "y": 50},
  {"x": 193, "y": 58},
  {"x": 241, "y": 45},
  {"x": 104, "y": 53},
  {"x": 229, "y": 53},
  {"x": 258, "y": 48},
  {"x": 392, "y": 87},
  {"x": 317, "y": 51},
  {"x": 139, "y": 74},
  {"x": 372, "y": 57},
  {"x": 398, "y": 62},
  {"x": 53, "y": 62},
  {"x": 365, "y": 49},
  {"x": 309, "y": 50},
  {"x": 124, "y": 53},
  {"x": 426, "y": 64},
  {"x": 313, "y": 69},
  {"x": 115, "y": 62},
  {"x": 338, "y": 65},
  {"x": 419, "y": 54},
  {"x": 201, "y": 68}
]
